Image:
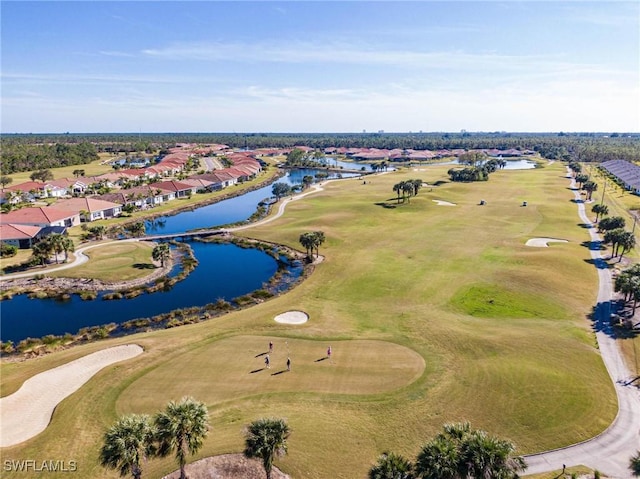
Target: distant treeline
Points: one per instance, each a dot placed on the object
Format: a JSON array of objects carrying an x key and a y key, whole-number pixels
[
  {"x": 20, "y": 155},
  {"x": 565, "y": 146}
]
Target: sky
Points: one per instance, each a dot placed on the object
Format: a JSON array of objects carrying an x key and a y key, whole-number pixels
[{"x": 329, "y": 66}]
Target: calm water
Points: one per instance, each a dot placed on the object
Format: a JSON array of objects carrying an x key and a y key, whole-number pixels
[
  {"x": 511, "y": 164},
  {"x": 228, "y": 211},
  {"x": 224, "y": 271}
]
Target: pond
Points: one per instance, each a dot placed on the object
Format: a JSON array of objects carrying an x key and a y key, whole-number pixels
[
  {"x": 225, "y": 271},
  {"x": 521, "y": 164},
  {"x": 228, "y": 211}
]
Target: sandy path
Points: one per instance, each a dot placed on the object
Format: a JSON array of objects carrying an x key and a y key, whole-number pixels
[
  {"x": 27, "y": 412},
  {"x": 611, "y": 451}
]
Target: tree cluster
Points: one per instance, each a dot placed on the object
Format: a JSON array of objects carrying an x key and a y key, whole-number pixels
[
  {"x": 24, "y": 156},
  {"x": 53, "y": 244},
  {"x": 480, "y": 167},
  {"x": 312, "y": 240},
  {"x": 628, "y": 283},
  {"x": 180, "y": 429},
  {"x": 408, "y": 188},
  {"x": 458, "y": 452}
]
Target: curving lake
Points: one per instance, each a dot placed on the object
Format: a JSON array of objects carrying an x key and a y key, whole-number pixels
[
  {"x": 229, "y": 211},
  {"x": 225, "y": 271}
]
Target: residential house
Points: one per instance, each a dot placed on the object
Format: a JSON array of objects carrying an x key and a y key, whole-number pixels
[
  {"x": 21, "y": 236},
  {"x": 41, "y": 216},
  {"x": 90, "y": 209},
  {"x": 179, "y": 189}
]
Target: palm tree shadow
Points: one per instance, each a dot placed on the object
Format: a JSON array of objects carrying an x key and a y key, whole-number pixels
[
  {"x": 593, "y": 245},
  {"x": 599, "y": 263},
  {"x": 257, "y": 370},
  {"x": 384, "y": 204},
  {"x": 279, "y": 372},
  {"x": 144, "y": 266}
]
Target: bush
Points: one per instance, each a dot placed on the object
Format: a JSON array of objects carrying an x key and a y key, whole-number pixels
[{"x": 7, "y": 250}]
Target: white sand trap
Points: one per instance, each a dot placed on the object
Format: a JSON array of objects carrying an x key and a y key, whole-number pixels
[
  {"x": 443, "y": 203},
  {"x": 292, "y": 317},
  {"x": 27, "y": 412},
  {"x": 543, "y": 242}
]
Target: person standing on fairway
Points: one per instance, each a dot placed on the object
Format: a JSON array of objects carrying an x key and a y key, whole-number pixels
[
  {"x": 329, "y": 353},
  {"x": 267, "y": 362},
  {"x": 288, "y": 364},
  {"x": 270, "y": 347}
]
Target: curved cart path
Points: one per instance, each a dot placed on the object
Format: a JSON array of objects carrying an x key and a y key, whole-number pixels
[
  {"x": 611, "y": 451},
  {"x": 27, "y": 412},
  {"x": 80, "y": 258}
]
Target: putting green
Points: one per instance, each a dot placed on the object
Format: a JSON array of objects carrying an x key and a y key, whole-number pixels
[{"x": 233, "y": 368}]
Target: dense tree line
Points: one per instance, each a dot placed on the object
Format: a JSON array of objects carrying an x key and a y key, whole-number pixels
[
  {"x": 18, "y": 155},
  {"x": 590, "y": 147}
]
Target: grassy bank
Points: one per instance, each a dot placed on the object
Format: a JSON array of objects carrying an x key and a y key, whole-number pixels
[{"x": 435, "y": 314}]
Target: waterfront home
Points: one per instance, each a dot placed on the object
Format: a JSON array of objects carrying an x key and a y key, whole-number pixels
[
  {"x": 41, "y": 216},
  {"x": 90, "y": 209}
]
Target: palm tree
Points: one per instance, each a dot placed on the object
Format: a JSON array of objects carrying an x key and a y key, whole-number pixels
[
  {"x": 634, "y": 464},
  {"x": 127, "y": 443},
  {"x": 627, "y": 242},
  {"x": 307, "y": 240},
  {"x": 56, "y": 241},
  {"x": 590, "y": 186},
  {"x": 318, "y": 239},
  {"x": 460, "y": 452},
  {"x": 397, "y": 188},
  {"x": 67, "y": 246},
  {"x": 41, "y": 251},
  {"x": 391, "y": 466},
  {"x": 417, "y": 184},
  {"x": 181, "y": 428},
  {"x": 581, "y": 178},
  {"x": 265, "y": 439},
  {"x": 161, "y": 253},
  {"x": 98, "y": 231},
  {"x": 600, "y": 210},
  {"x": 488, "y": 456},
  {"x": 137, "y": 229},
  {"x": 438, "y": 459},
  {"x": 407, "y": 187}
]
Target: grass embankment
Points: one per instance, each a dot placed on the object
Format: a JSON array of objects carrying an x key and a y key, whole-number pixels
[{"x": 515, "y": 356}]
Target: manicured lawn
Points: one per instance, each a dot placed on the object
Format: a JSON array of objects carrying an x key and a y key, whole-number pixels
[
  {"x": 114, "y": 262},
  {"x": 403, "y": 296}
]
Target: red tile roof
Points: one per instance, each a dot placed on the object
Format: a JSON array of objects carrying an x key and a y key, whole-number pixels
[
  {"x": 18, "y": 232},
  {"x": 38, "y": 215}
]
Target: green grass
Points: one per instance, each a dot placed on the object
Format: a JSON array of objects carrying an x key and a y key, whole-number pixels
[
  {"x": 114, "y": 262},
  {"x": 497, "y": 301},
  {"x": 97, "y": 167},
  {"x": 390, "y": 283}
]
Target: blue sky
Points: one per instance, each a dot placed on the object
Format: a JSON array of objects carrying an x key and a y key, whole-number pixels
[{"x": 157, "y": 66}]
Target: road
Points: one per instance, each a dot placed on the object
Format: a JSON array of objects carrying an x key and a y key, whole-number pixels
[{"x": 610, "y": 451}]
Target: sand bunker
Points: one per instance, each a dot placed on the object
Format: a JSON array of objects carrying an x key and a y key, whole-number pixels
[
  {"x": 543, "y": 242},
  {"x": 444, "y": 203},
  {"x": 292, "y": 317},
  {"x": 27, "y": 412}
]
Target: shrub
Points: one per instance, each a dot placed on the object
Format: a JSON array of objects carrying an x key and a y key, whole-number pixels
[{"x": 7, "y": 250}]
